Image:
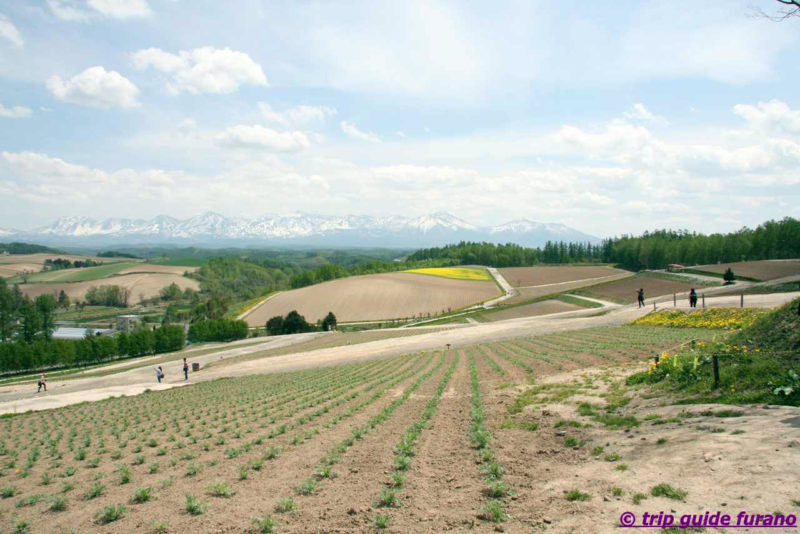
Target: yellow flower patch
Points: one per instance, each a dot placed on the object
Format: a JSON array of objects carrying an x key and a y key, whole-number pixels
[{"x": 458, "y": 273}]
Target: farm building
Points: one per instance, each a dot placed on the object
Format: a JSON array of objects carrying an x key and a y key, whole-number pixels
[
  {"x": 128, "y": 323},
  {"x": 66, "y": 332}
]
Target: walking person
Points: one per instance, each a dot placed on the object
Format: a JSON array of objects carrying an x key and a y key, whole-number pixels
[
  {"x": 159, "y": 374},
  {"x": 185, "y": 369},
  {"x": 692, "y": 298},
  {"x": 640, "y": 296},
  {"x": 42, "y": 383}
]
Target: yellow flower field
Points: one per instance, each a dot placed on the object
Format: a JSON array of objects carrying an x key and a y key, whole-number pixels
[
  {"x": 458, "y": 273},
  {"x": 727, "y": 318}
]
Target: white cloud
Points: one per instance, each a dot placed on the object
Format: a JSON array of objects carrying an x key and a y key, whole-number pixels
[
  {"x": 640, "y": 113},
  {"x": 16, "y": 112},
  {"x": 121, "y": 9},
  {"x": 68, "y": 10},
  {"x": 351, "y": 130},
  {"x": 83, "y": 11},
  {"x": 297, "y": 115},
  {"x": 259, "y": 136},
  {"x": 10, "y": 32},
  {"x": 202, "y": 70},
  {"x": 95, "y": 87},
  {"x": 774, "y": 117}
]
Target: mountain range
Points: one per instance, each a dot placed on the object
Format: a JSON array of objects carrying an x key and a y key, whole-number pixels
[{"x": 213, "y": 229}]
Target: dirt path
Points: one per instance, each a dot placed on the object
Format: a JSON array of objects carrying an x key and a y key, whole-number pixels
[{"x": 18, "y": 399}]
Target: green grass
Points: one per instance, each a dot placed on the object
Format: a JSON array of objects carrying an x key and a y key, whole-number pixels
[
  {"x": 84, "y": 274},
  {"x": 195, "y": 506},
  {"x": 110, "y": 513},
  {"x": 178, "y": 262},
  {"x": 665, "y": 490},
  {"x": 265, "y": 524},
  {"x": 576, "y": 495}
]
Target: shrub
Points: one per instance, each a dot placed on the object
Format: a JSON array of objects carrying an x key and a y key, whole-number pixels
[
  {"x": 110, "y": 513},
  {"x": 195, "y": 506}
]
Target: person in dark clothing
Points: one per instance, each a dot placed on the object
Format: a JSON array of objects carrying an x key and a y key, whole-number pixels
[
  {"x": 42, "y": 383},
  {"x": 640, "y": 296},
  {"x": 185, "y": 369},
  {"x": 692, "y": 298}
]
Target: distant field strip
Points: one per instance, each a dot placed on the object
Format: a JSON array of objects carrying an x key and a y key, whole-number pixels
[
  {"x": 456, "y": 273},
  {"x": 84, "y": 274}
]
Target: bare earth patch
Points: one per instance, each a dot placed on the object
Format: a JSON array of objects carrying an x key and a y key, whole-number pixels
[
  {"x": 141, "y": 284},
  {"x": 539, "y": 275},
  {"x": 762, "y": 270},
  {"x": 376, "y": 297}
]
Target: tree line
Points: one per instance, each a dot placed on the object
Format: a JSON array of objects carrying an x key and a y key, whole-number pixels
[
  {"x": 62, "y": 263},
  {"x": 294, "y": 323},
  {"x": 651, "y": 250},
  {"x": 43, "y": 354},
  {"x": 217, "y": 330}
]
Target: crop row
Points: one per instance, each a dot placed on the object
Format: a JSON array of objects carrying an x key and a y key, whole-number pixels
[{"x": 481, "y": 439}]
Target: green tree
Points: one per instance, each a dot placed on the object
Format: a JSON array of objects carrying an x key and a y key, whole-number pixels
[
  {"x": 729, "y": 276},
  {"x": 46, "y": 306},
  {"x": 7, "y": 308},
  {"x": 329, "y": 322},
  {"x": 63, "y": 300},
  {"x": 31, "y": 320},
  {"x": 274, "y": 325}
]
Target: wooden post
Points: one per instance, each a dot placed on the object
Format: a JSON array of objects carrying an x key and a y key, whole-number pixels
[
  {"x": 654, "y": 305},
  {"x": 674, "y": 300},
  {"x": 715, "y": 366},
  {"x": 448, "y": 346},
  {"x": 741, "y": 300},
  {"x": 704, "y": 301}
]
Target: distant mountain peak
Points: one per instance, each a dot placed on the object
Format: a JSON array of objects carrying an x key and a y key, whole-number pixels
[{"x": 213, "y": 228}]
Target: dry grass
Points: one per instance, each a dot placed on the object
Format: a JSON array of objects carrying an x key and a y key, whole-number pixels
[{"x": 376, "y": 297}]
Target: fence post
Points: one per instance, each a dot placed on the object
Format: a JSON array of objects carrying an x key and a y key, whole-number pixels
[
  {"x": 704, "y": 301},
  {"x": 654, "y": 305},
  {"x": 741, "y": 300},
  {"x": 674, "y": 300},
  {"x": 715, "y": 366}
]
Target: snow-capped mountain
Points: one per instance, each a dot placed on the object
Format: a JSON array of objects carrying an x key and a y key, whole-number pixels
[{"x": 298, "y": 229}]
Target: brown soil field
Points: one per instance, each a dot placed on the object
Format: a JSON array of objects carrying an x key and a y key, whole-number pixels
[
  {"x": 39, "y": 258},
  {"x": 159, "y": 269},
  {"x": 762, "y": 270},
  {"x": 543, "y": 307},
  {"x": 12, "y": 269},
  {"x": 556, "y": 274},
  {"x": 625, "y": 290},
  {"x": 376, "y": 297},
  {"x": 144, "y": 284},
  {"x": 326, "y": 443}
]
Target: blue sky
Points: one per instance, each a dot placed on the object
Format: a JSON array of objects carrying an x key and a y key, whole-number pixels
[{"x": 611, "y": 117}]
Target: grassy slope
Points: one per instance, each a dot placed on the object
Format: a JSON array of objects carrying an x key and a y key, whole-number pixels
[
  {"x": 84, "y": 274},
  {"x": 753, "y": 362}
]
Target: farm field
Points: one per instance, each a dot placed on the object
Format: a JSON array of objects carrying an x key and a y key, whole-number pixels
[
  {"x": 147, "y": 285},
  {"x": 376, "y": 297},
  {"x": 83, "y": 274},
  {"x": 344, "y": 448},
  {"x": 624, "y": 291},
  {"x": 545, "y": 275},
  {"x": 544, "y": 307},
  {"x": 457, "y": 273},
  {"x": 760, "y": 270}
]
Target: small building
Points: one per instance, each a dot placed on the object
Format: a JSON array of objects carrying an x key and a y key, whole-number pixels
[
  {"x": 67, "y": 332},
  {"x": 675, "y": 268},
  {"x": 128, "y": 323}
]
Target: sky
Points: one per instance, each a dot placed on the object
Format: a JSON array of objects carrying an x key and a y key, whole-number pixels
[{"x": 610, "y": 117}]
